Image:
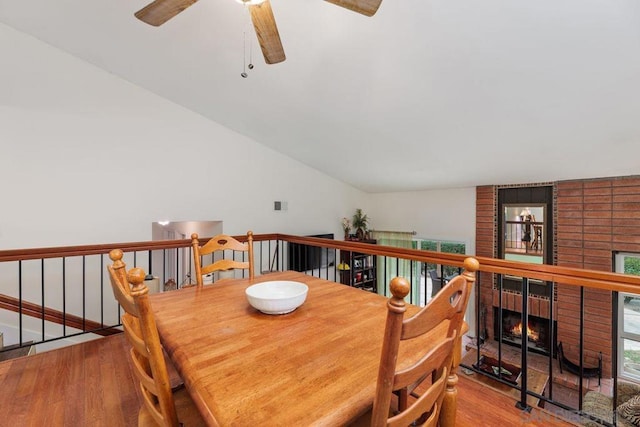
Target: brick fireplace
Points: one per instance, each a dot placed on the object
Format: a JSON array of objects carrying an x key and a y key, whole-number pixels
[{"x": 592, "y": 219}]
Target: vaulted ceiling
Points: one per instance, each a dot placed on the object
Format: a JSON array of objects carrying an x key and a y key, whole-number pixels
[{"x": 424, "y": 94}]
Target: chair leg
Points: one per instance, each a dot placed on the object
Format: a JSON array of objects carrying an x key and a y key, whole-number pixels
[
  {"x": 403, "y": 399},
  {"x": 450, "y": 400}
]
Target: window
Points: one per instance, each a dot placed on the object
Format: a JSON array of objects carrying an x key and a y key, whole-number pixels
[
  {"x": 524, "y": 233},
  {"x": 440, "y": 246},
  {"x": 525, "y": 224},
  {"x": 524, "y": 229},
  {"x": 629, "y": 320},
  {"x": 430, "y": 272}
]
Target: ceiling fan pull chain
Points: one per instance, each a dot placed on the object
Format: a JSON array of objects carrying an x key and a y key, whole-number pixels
[
  {"x": 251, "y": 53},
  {"x": 244, "y": 55}
]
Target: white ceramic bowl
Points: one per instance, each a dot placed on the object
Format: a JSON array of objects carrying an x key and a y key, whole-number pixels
[{"x": 277, "y": 296}]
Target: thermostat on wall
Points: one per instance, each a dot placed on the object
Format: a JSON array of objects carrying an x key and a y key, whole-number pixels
[{"x": 279, "y": 206}]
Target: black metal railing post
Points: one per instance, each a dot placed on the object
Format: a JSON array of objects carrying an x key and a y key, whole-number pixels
[
  {"x": 84, "y": 294},
  {"x": 20, "y": 308},
  {"x": 522, "y": 404},
  {"x": 552, "y": 337},
  {"x": 581, "y": 348},
  {"x": 500, "y": 320},
  {"x": 64, "y": 296},
  {"x": 43, "y": 305}
]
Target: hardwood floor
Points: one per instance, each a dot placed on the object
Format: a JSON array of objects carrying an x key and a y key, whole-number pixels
[
  {"x": 479, "y": 405},
  {"x": 88, "y": 384},
  {"x": 92, "y": 384}
]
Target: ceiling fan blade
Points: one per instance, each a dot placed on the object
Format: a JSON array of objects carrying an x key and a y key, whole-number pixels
[
  {"x": 365, "y": 7},
  {"x": 160, "y": 11},
  {"x": 267, "y": 32}
]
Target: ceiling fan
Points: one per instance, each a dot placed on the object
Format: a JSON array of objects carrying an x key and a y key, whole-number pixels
[{"x": 160, "y": 11}]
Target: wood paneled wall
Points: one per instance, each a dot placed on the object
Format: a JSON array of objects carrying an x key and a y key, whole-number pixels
[
  {"x": 593, "y": 219},
  {"x": 486, "y": 245}
]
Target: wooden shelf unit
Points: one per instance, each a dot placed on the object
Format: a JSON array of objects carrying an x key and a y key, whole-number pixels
[{"x": 362, "y": 271}]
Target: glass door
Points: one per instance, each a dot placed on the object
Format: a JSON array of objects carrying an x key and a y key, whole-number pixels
[{"x": 628, "y": 320}]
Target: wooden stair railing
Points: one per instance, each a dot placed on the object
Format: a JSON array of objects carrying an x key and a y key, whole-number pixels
[{"x": 55, "y": 316}]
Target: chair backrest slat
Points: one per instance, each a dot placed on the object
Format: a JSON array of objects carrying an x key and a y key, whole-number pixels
[
  {"x": 221, "y": 243},
  {"x": 133, "y": 333},
  {"x": 440, "y": 309},
  {"x": 441, "y": 356}
]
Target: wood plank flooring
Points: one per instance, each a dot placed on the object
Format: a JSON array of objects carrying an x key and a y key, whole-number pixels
[
  {"x": 92, "y": 384},
  {"x": 88, "y": 384}
]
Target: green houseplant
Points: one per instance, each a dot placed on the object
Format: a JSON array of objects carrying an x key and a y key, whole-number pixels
[{"x": 360, "y": 222}]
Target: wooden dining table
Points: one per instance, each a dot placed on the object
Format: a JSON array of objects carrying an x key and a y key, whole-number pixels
[{"x": 317, "y": 365}]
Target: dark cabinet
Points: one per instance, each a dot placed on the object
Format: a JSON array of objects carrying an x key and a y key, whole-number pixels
[{"x": 361, "y": 271}]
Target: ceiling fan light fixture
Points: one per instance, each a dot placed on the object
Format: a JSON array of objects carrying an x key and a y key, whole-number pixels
[
  {"x": 251, "y": 2},
  {"x": 160, "y": 11}
]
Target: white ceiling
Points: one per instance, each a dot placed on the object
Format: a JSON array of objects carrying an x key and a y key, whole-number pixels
[{"x": 425, "y": 94}]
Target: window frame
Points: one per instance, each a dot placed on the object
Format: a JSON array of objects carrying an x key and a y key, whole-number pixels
[{"x": 619, "y": 267}]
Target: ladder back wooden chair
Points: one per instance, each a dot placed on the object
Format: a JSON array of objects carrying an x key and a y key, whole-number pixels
[
  {"x": 221, "y": 242},
  {"x": 161, "y": 406},
  {"x": 423, "y": 385}
]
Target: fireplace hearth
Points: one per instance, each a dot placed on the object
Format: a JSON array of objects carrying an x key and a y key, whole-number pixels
[{"x": 512, "y": 330}]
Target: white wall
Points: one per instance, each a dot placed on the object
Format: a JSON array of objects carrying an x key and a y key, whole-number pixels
[
  {"x": 86, "y": 157},
  {"x": 434, "y": 214}
]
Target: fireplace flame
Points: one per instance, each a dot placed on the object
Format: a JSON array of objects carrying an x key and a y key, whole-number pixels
[{"x": 531, "y": 334}]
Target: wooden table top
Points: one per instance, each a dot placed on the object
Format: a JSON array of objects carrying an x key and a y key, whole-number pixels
[{"x": 315, "y": 366}]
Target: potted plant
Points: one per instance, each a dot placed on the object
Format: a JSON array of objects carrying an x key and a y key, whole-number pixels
[
  {"x": 359, "y": 223},
  {"x": 346, "y": 227}
]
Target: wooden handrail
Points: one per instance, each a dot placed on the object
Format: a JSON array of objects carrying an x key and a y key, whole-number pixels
[
  {"x": 73, "y": 321},
  {"x": 70, "y": 251},
  {"x": 565, "y": 275}
]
